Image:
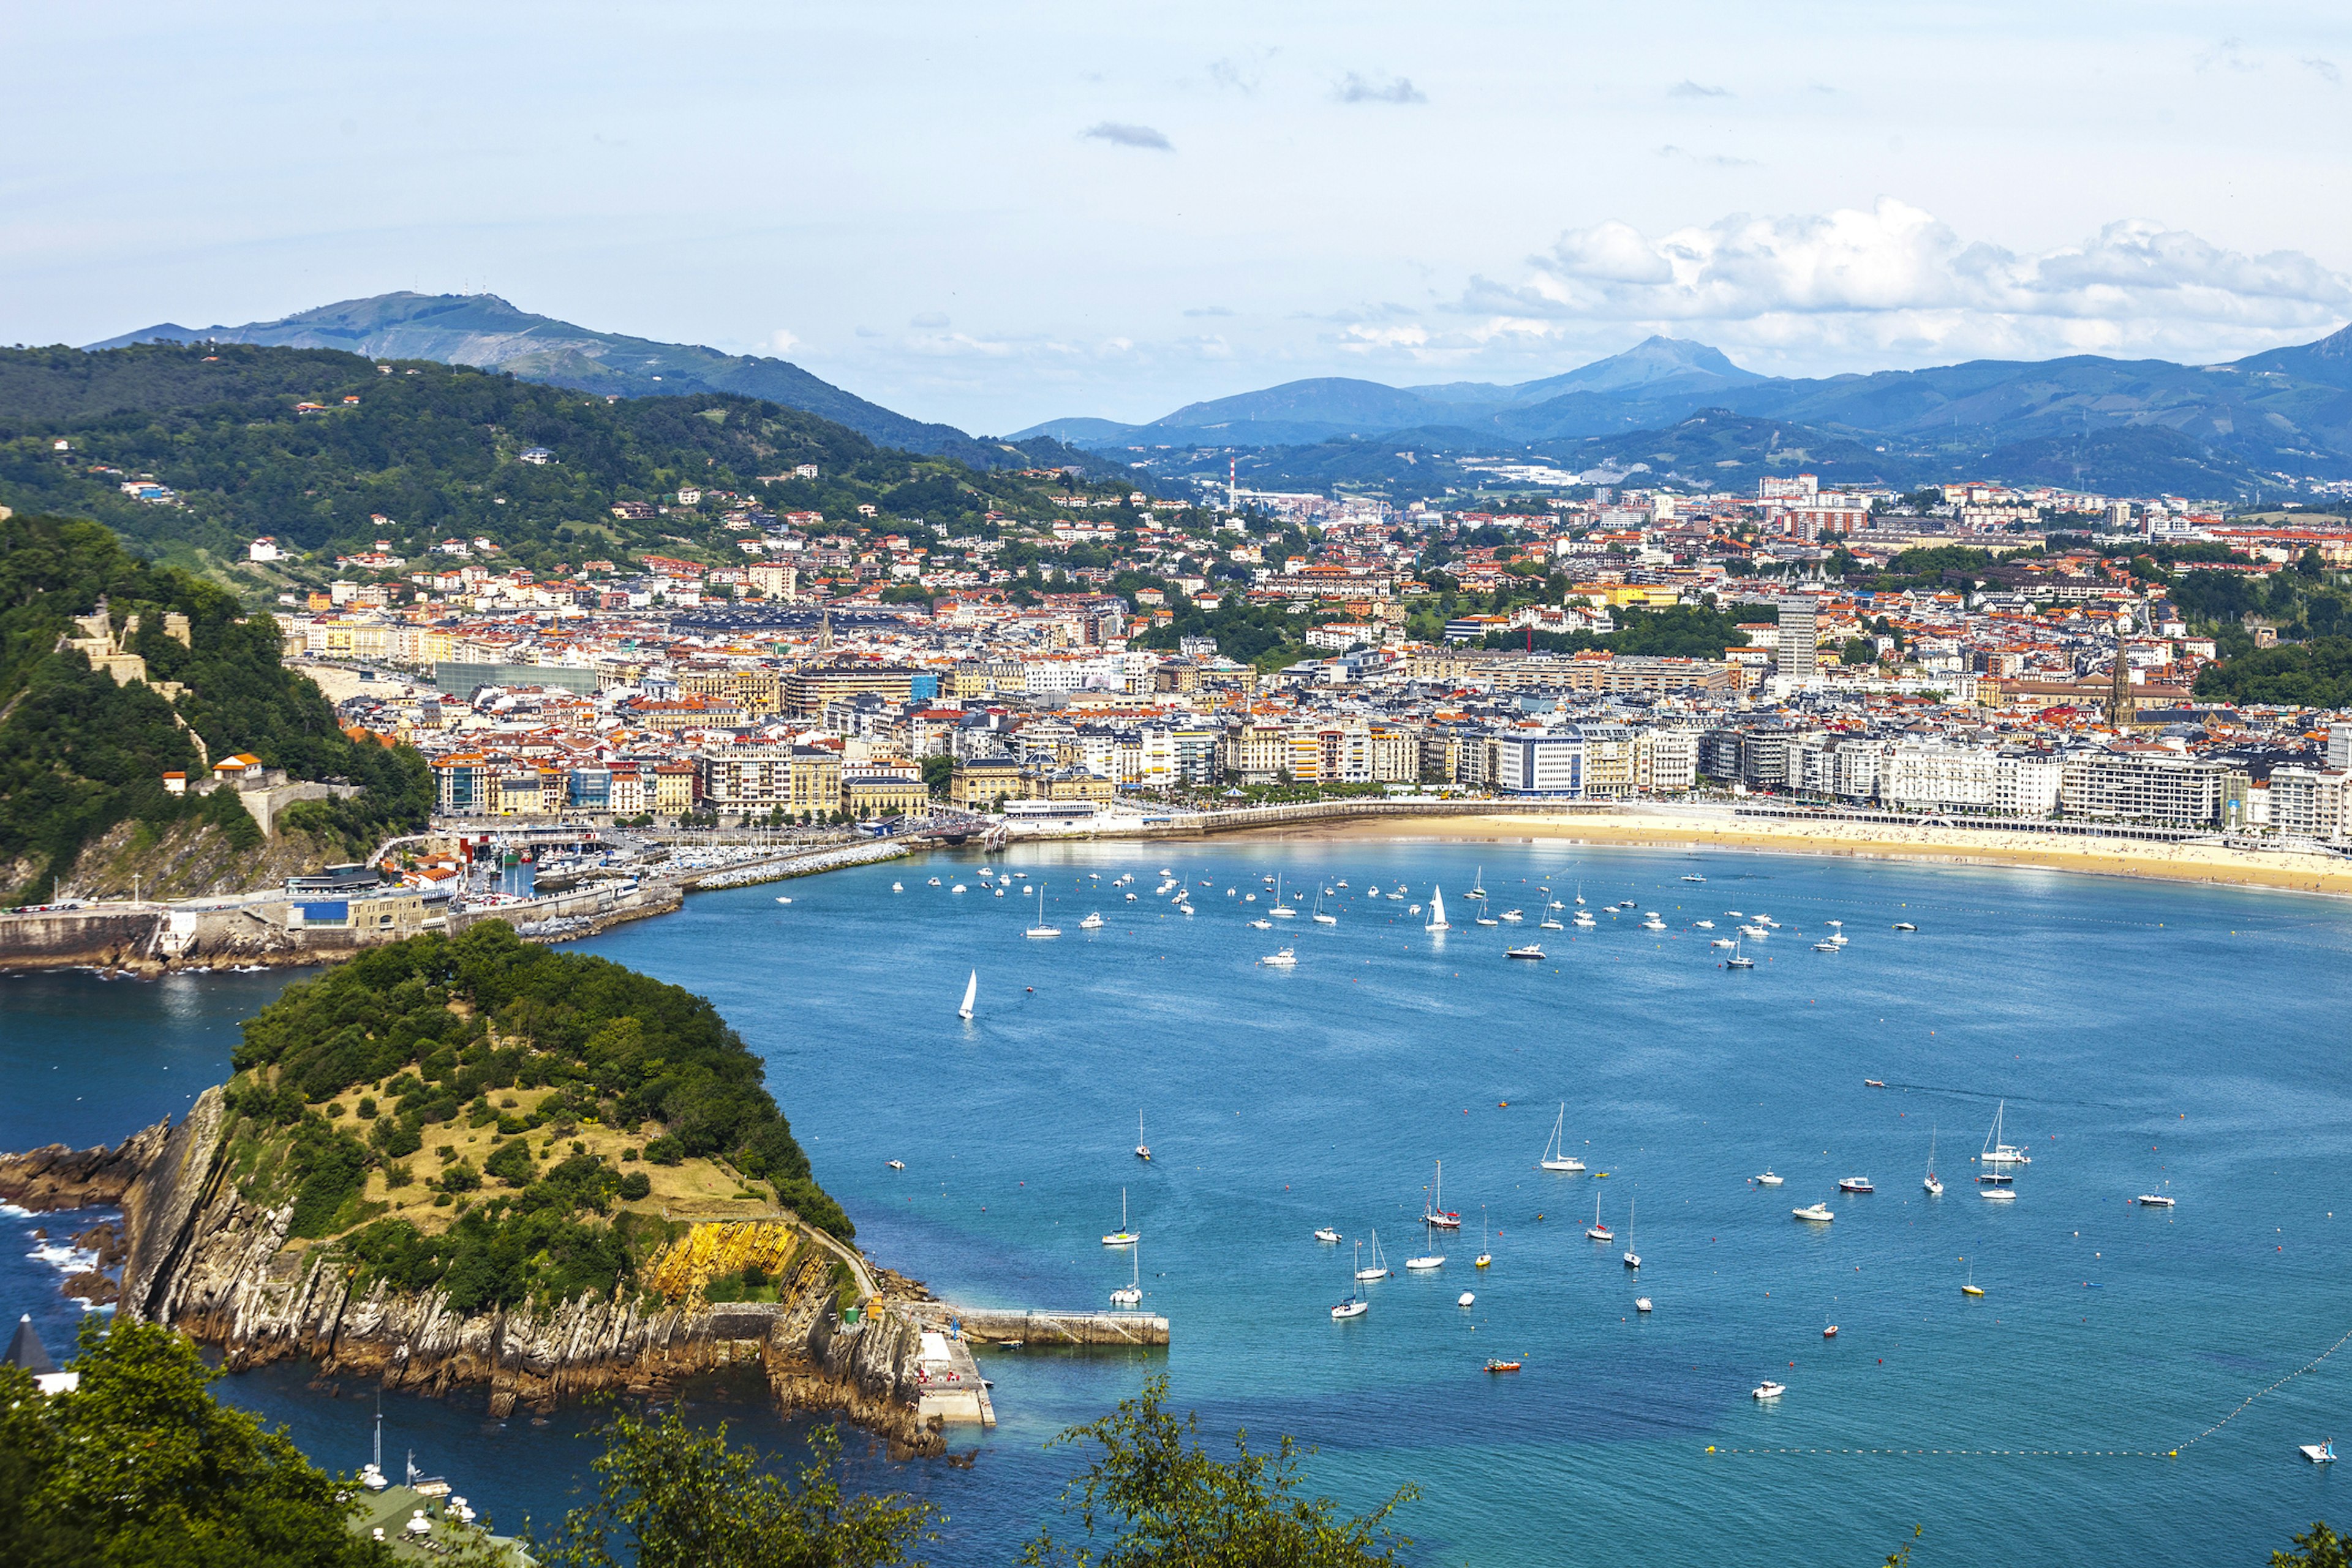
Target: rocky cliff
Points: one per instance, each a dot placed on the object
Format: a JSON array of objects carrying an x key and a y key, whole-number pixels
[{"x": 203, "y": 1256}]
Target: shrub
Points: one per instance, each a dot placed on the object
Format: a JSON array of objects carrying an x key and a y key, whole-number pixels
[
  {"x": 665, "y": 1151},
  {"x": 637, "y": 1184},
  {"x": 511, "y": 1163}
]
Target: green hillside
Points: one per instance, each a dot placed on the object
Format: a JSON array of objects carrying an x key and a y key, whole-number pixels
[
  {"x": 501, "y": 1121},
  {"x": 81, "y": 755},
  {"x": 436, "y": 449}
]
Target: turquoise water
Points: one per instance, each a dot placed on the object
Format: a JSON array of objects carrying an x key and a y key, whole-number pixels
[{"x": 2140, "y": 1032}]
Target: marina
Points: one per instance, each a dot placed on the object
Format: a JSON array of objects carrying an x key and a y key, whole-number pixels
[{"x": 1399, "y": 1047}]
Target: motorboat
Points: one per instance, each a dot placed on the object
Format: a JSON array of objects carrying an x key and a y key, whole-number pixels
[
  {"x": 1905, "y": 925},
  {"x": 1584, "y": 920},
  {"x": 1285, "y": 958},
  {"x": 1855, "y": 1184},
  {"x": 1825, "y": 947},
  {"x": 2154, "y": 1200},
  {"x": 1829, "y": 1332},
  {"x": 1260, "y": 925},
  {"x": 1817, "y": 1214},
  {"x": 1468, "y": 1299},
  {"x": 1326, "y": 1233},
  {"x": 1768, "y": 1389},
  {"x": 782, "y": 900},
  {"x": 1754, "y": 933},
  {"x": 1092, "y": 922},
  {"x": 1723, "y": 941},
  {"x": 896, "y": 1164},
  {"x": 957, "y": 888},
  {"x": 1531, "y": 950},
  {"x": 1703, "y": 925},
  {"x": 1694, "y": 876},
  {"x": 1652, "y": 922},
  {"x": 1493, "y": 1365},
  {"x": 935, "y": 881},
  {"x": 897, "y": 887},
  {"x": 1641, "y": 1303},
  {"x": 1873, "y": 1083},
  {"x": 1512, "y": 917},
  {"x": 1768, "y": 1179}
]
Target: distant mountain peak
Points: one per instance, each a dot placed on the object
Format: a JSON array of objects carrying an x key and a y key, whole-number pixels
[{"x": 490, "y": 332}]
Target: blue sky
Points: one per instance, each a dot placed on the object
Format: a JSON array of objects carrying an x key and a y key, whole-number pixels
[{"x": 994, "y": 215}]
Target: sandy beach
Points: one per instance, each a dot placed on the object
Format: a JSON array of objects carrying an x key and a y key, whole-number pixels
[{"x": 1973, "y": 846}]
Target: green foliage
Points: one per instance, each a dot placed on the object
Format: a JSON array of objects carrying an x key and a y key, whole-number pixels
[
  {"x": 2320, "y": 1547},
  {"x": 1858, "y": 650},
  {"x": 79, "y": 753},
  {"x": 1164, "y": 1502},
  {"x": 607, "y": 1041},
  {"x": 140, "y": 1466},
  {"x": 2315, "y": 674},
  {"x": 636, "y": 1184},
  {"x": 670, "y": 1498},
  {"x": 1677, "y": 631},
  {"x": 1245, "y": 633},
  {"x": 511, "y": 1163},
  {"x": 437, "y": 447}
]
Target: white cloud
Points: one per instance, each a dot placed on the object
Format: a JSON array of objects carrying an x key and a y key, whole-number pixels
[
  {"x": 1122, "y": 135},
  {"x": 1363, "y": 337},
  {"x": 781, "y": 341},
  {"x": 1355, "y": 89},
  {"x": 1688, "y": 89},
  {"x": 1892, "y": 279}
]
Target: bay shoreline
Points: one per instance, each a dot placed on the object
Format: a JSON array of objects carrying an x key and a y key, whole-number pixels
[{"x": 2205, "y": 864}]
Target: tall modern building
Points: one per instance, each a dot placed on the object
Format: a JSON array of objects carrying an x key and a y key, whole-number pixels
[{"x": 1793, "y": 659}]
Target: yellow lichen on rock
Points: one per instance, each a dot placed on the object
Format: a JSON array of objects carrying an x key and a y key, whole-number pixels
[{"x": 717, "y": 1248}]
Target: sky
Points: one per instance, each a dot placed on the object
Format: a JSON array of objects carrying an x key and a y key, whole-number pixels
[{"x": 992, "y": 215}]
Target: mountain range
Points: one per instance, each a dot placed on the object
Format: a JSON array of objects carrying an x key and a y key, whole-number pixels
[
  {"x": 2270, "y": 419},
  {"x": 487, "y": 332}
]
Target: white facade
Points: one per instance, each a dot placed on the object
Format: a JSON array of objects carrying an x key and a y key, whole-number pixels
[
  {"x": 2307, "y": 802},
  {"x": 1539, "y": 764}
]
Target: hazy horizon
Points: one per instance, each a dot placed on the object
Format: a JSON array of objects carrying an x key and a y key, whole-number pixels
[{"x": 1049, "y": 211}]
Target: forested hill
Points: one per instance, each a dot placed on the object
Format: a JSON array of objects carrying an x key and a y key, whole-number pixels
[
  {"x": 82, "y": 758},
  {"x": 437, "y": 449}
]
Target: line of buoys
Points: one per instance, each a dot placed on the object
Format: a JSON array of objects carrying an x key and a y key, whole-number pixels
[{"x": 1978, "y": 1453}]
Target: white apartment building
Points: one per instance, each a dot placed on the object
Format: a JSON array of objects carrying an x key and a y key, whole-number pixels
[
  {"x": 1539, "y": 762},
  {"x": 2309, "y": 803},
  {"x": 2178, "y": 791}
]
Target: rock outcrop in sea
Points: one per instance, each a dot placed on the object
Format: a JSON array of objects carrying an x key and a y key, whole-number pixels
[{"x": 199, "y": 1256}]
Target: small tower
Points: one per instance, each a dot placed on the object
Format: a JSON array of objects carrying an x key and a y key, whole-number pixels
[
  {"x": 824, "y": 631},
  {"x": 2121, "y": 705}
]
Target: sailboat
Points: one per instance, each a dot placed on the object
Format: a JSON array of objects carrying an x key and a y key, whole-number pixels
[
  {"x": 1482, "y": 917},
  {"x": 1632, "y": 1259},
  {"x": 1972, "y": 1287},
  {"x": 1485, "y": 1257},
  {"x": 1352, "y": 1305},
  {"x": 1320, "y": 918},
  {"x": 1122, "y": 1236},
  {"x": 1142, "y": 1150},
  {"x": 1435, "y": 1212},
  {"x": 1738, "y": 960},
  {"x": 1130, "y": 1295},
  {"x": 1432, "y": 1258},
  {"x": 1597, "y": 1231},
  {"x": 1933, "y": 1185},
  {"x": 1478, "y": 884},
  {"x": 1997, "y": 1152},
  {"x": 971, "y": 995},
  {"x": 1380, "y": 1268},
  {"x": 1281, "y": 911},
  {"x": 1437, "y": 911},
  {"x": 1556, "y": 1157}
]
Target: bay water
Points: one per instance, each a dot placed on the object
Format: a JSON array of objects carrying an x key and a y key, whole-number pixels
[{"x": 2145, "y": 1038}]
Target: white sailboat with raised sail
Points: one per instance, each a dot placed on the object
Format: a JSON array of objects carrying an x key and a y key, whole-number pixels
[
  {"x": 1142, "y": 1150},
  {"x": 1556, "y": 1157},
  {"x": 1281, "y": 911},
  {"x": 1380, "y": 1268},
  {"x": 1632, "y": 1259},
  {"x": 1352, "y": 1305},
  {"x": 971, "y": 995},
  {"x": 1997, "y": 1152},
  {"x": 1437, "y": 911},
  {"x": 1934, "y": 1184}
]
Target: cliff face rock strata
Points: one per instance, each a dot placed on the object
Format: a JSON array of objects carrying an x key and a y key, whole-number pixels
[{"x": 203, "y": 1258}]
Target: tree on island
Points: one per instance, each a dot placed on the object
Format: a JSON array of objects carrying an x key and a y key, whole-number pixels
[{"x": 1165, "y": 1503}]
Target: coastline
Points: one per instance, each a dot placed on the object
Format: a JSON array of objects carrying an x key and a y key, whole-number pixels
[{"x": 2202, "y": 863}]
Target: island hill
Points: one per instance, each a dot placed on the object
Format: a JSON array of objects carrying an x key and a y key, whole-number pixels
[{"x": 472, "y": 1161}]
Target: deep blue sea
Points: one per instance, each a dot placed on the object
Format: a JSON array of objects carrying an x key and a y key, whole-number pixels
[{"x": 2141, "y": 1033}]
